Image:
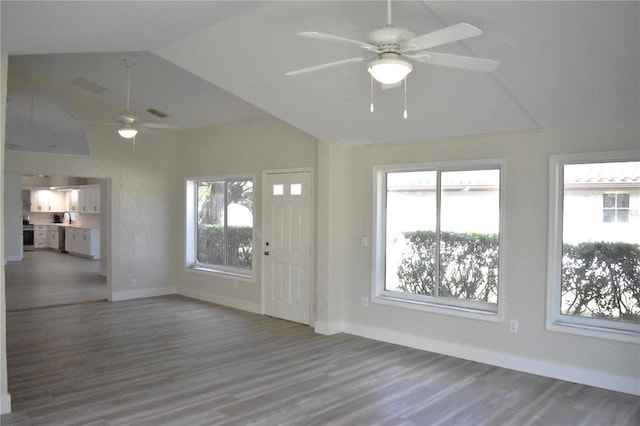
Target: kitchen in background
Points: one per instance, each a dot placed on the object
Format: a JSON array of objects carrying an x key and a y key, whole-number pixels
[
  {"x": 61, "y": 214},
  {"x": 56, "y": 224}
]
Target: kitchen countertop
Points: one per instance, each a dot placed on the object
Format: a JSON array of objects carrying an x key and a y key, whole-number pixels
[{"x": 62, "y": 225}]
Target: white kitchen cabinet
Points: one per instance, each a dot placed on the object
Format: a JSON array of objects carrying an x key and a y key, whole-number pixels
[
  {"x": 44, "y": 200},
  {"x": 72, "y": 240},
  {"x": 73, "y": 198},
  {"x": 58, "y": 201},
  {"x": 53, "y": 235},
  {"x": 89, "y": 199},
  {"x": 40, "y": 200},
  {"x": 83, "y": 242},
  {"x": 40, "y": 237}
]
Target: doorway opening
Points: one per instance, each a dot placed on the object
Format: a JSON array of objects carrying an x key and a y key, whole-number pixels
[{"x": 67, "y": 260}]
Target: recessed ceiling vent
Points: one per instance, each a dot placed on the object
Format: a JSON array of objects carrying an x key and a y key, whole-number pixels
[
  {"x": 88, "y": 85},
  {"x": 157, "y": 113}
]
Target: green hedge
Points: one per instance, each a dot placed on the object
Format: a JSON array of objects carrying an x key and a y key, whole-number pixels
[
  {"x": 601, "y": 280},
  {"x": 211, "y": 246},
  {"x": 468, "y": 269},
  {"x": 598, "y": 279}
]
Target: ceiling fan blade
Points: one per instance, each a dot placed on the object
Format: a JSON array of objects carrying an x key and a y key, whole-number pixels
[
  {"x": 340, "y": 40},
  {"x": 158, "y": 126},
  {"x": 456, "y": 61},
  {"x": 445, "y": 35},
  {"x": 329, "y": 65}
]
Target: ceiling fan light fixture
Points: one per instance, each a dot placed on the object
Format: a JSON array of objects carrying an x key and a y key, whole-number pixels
[
  {"x": 389, "y": 70},
  {"x": 127, "y": 132}
]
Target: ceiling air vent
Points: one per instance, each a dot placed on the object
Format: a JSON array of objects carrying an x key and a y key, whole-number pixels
[
  {"x": 157, "y": 113},
  {"x": 88, "y": 85}
]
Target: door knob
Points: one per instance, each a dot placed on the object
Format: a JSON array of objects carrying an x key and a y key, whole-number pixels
[{"x": 266, "y": 253}]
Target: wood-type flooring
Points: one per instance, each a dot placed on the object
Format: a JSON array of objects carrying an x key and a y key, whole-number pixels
[
  {"x": 176, "y": 361},
  {"x": 49, "y": 278}
]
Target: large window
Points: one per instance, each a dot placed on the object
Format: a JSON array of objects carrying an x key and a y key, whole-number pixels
[
  {"x": 594, "y": 245},
  {"x": 437, "y": 236},
  {"x": 220, "y": 225}
]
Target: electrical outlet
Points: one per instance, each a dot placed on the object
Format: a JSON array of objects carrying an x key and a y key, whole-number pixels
[
  {"x": 365, "y": 302},
  {"x": 513, "y": 326},
  {"x": 134, "y": 283}
]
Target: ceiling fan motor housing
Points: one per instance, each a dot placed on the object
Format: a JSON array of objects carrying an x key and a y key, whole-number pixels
[{"x": 389, "y": 38}]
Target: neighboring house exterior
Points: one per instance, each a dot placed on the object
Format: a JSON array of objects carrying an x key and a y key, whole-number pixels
[{"x": 602, "y": 202}]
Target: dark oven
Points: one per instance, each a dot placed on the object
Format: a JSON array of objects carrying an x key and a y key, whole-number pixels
[{"x": 27, "y": 238}]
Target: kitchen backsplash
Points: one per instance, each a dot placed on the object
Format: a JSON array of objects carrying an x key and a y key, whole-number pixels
[{"x": 81, "y": 220}]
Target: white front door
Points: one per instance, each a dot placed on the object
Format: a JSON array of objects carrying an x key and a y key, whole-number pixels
[{"x": 287, "y": 245}]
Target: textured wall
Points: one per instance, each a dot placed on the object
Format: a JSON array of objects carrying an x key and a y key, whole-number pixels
[
  {"x": 247, "y": 147},
  {"x": 139, "y": 214}
]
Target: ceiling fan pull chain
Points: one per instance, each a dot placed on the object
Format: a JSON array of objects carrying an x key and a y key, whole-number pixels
[
  {"x": 128, "y": 66},
  {"x": 405, "y": 98},
  {"x": 371, "y": 108}
]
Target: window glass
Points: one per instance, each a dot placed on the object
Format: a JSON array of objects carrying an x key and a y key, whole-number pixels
[
  {"x": 600, "y": 241},
  {"x": 224, "y": 225},
  {"x": 296, "y": 189},
  {"x": 410, "y": 225},
  {"x": 470, "y": 214}
]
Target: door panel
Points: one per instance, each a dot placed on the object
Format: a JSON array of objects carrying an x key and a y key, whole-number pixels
[{"x": 287, "y": 245}]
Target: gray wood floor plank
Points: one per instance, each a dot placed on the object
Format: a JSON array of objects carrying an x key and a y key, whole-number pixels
[{"x": 176, "y": 361}]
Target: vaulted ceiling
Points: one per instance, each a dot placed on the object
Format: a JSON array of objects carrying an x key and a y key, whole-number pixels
[{"x": 210, "y": 62}]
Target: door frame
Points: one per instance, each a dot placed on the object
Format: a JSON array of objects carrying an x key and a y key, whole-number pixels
[{"x": 312, "y": 253}]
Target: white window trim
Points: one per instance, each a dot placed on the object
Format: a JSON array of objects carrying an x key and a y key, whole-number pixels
[
  {"x": 426, "y": 303},
  {"x": 191, "y": 220},
  {"x": 591, "y": 327}
]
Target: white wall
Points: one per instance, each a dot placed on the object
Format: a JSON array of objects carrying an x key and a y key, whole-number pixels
[
  {"x": 247, "y": 147},
  {"x": 12, "y": 218},
  {"x": 141, "y": 214},
  {"x": 5, "y": 397},
  {"x": 604, "y": 363}
]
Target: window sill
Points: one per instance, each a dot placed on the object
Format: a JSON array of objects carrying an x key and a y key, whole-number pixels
[
  {"x": 222, "y": 274},
  {"x": 593, "y": 331},
  {"x": 458, "y": 311}
]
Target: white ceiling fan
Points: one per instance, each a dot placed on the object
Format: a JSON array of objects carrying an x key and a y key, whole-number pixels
[
  {"x": 393, "y": 49},
  {"x": 130, "y": 124}
]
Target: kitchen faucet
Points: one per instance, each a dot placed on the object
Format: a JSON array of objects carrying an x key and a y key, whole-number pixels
[{"x": 70, "y": 222}]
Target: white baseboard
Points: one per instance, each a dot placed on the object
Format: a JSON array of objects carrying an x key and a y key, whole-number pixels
[
  {"x": 564, "y": 372},
  {"x": 5, "y": 403},
  {"x": 14, "y": 258},
  {"x": 328, "y": 328},
  {"x": 230, "y": 302},
  {"x": 141, "y": 293}
]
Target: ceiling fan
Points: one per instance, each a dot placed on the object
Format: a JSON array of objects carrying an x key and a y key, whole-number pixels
[
  {"x": 129, "y": 124},
  {"x": 393, "y": 48}
]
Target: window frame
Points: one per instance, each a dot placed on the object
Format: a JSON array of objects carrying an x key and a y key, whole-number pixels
[
  {"x": 434, "y": 304},
  {"x": 191, "y": 239},
  {"x": 555, "y": 321}
]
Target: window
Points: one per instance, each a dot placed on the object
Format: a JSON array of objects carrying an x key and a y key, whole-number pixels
[
  {"x": 438, "y": 236},
  {"x": 615, "y": 208},
  {"x": 594, "y": 246},
  {"x": 220, "y": 228}
]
